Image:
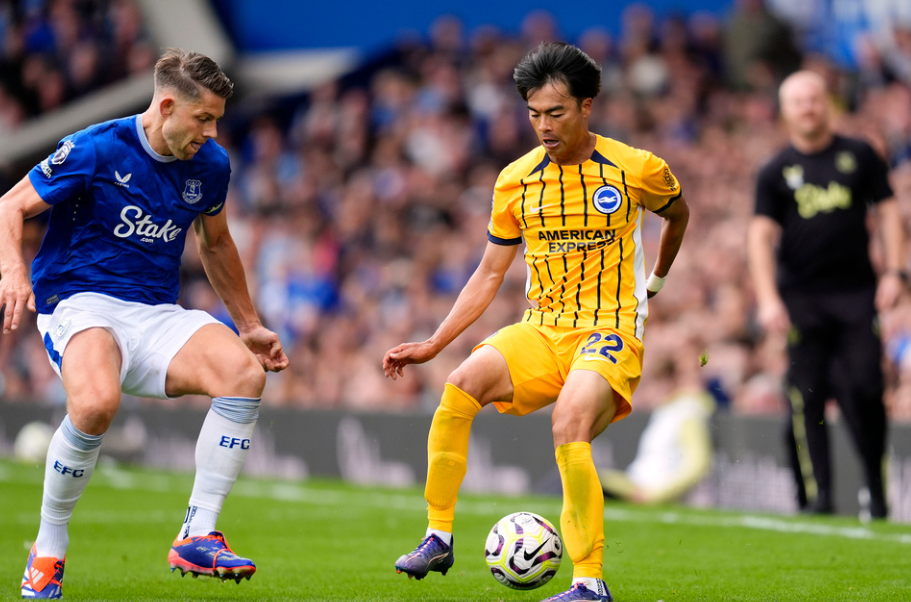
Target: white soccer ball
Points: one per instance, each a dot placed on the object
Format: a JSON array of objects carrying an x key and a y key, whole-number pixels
[
  {"x": 523, "y": 550},
  {"x": 32, "y": 442}
]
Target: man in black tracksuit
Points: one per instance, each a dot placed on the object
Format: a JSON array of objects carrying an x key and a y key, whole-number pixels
[{"x": 812, "y": 200}]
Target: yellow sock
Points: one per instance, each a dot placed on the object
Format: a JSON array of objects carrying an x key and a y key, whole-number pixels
[
  {"x": 582, "y": 519},
  {"x": 447, "y": 455}
]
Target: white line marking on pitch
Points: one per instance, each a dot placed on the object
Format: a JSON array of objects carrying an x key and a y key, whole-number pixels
[{"x": 291, "y": 492}]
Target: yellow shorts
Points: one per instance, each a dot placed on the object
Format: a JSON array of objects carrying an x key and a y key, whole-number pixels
[{"x": 541, "y": 357}]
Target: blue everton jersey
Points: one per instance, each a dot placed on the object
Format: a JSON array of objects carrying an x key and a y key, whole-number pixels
[{"x": 121, "y": 213}]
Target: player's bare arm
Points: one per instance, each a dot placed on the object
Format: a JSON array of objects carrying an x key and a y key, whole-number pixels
[
  {"x": 475, "y": 297},
  {"x": 676, "y": 217},
  {"x": 226, "y": 274},
  {"x": 17, "y": 205},
  {"x": 762, "y": 238},
  {"x": 892, "y": 232}
]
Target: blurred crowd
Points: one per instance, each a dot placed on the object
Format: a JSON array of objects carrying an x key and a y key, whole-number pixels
[
  {"x": 361, "y": 216},
  {"x": 53, "y": 51}
]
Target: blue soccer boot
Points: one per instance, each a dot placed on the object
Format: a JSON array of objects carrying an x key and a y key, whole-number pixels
[
  {"x": 209, "y": 555},
  {"x": 432, "y": 555}
]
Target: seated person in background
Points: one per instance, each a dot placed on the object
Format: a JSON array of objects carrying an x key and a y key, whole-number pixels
[
  {"x": 674, "y": 454},
  {"x": 675, "y": 449}
]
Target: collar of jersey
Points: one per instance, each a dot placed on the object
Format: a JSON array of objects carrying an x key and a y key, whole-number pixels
[{"x": 148, "y": 147}]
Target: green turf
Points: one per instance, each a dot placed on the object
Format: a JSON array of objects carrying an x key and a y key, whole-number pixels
[{"x": 322, "y": 540}]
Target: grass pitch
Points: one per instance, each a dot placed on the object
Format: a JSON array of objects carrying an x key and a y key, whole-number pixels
[{"x": 326, "y": 541}]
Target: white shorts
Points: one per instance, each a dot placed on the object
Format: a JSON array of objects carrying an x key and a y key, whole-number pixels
[{"x": 149, "y": 336}]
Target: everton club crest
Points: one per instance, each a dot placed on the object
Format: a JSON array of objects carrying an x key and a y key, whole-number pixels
[{"x": 192, "y": 191}]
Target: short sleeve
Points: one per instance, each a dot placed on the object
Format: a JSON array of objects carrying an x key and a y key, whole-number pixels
[
  {"x": 768, "y": 201},
  {"x": 503, "y": 229},
  {"x": 877, "y": 176},
  {"x": 220, "y": 166},
  {"x": 218, "y": 203},
  {"x": 67, "y": 172},
  {"x": 215, "y": 209},
  {"x": 659, "y": 186}
]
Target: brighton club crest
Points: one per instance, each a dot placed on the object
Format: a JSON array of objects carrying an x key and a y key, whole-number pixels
[
  {"x": 607, "y": 199},
  {"x": 192, "y": 191}
]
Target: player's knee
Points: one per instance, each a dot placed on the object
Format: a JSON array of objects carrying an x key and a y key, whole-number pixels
[
  {"x": 560, "y": 431},
  {"x": 93, "y": 415},
  {"x": 568, "y": 427},
  {"x": 237, "y": 374},
  {"x": 258, "y": 379},
  {"x": 463, "y": 379},
  {"x": 250, "y": 378},
  {"x": 101, "y": 396},
  {"x": 480, "y": 386}
]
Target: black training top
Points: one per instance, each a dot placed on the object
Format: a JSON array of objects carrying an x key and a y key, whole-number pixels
[{"x": 821, "y": 202}]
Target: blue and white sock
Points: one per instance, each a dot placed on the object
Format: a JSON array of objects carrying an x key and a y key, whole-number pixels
[
  {"x": 71, "y": 459},
  {"x": 222, "y": 448}
]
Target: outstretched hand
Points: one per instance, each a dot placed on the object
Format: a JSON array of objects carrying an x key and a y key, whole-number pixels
[
  {"x": 397, "y": 358},
  {"x": 267, "y": 348}
]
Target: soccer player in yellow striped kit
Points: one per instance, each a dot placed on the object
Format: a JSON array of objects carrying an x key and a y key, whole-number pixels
[{"x": 577, "y": 202}]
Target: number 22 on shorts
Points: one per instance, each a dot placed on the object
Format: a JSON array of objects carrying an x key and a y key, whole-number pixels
[{"x": 603, "y": 345}]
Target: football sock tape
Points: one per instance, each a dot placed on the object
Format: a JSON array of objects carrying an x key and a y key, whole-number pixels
[{"x": 237, "y": 409}]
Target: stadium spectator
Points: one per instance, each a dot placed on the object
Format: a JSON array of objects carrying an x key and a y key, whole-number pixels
[
  {"x": 675, "y": 449},
  {"x": 812, "y": 199},
  {"x": 52, "y": 51},
  {"x": 759, "y": 47}
]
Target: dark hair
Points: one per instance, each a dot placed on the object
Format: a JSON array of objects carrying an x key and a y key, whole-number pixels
[
  {"x": 187, "y": 71},
  {"x": 558, "y": 62}
]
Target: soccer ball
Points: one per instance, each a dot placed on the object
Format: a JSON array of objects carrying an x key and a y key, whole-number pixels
[
  {"x": 523, "y": 550},
  {"x": 32, "y": 442}
]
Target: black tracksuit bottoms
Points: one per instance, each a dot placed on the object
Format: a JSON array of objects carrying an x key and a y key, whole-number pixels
[{"x": 834, "y": 350}]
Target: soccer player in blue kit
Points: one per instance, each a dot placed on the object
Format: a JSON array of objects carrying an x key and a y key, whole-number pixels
[{"x": 123, "y": 195}]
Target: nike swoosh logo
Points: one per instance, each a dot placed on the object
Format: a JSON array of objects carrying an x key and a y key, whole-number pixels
[
  {"x": 536, "y": 550},
  {"x": 540, "y": 207}
]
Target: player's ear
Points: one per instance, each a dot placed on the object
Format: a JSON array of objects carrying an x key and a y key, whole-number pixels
[
  {"x": 167, "y": 105},
  {"x": 586, "y": 106}
]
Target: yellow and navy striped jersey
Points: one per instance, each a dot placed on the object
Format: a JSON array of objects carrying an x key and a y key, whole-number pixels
[{"x": 581, "y": 225}]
